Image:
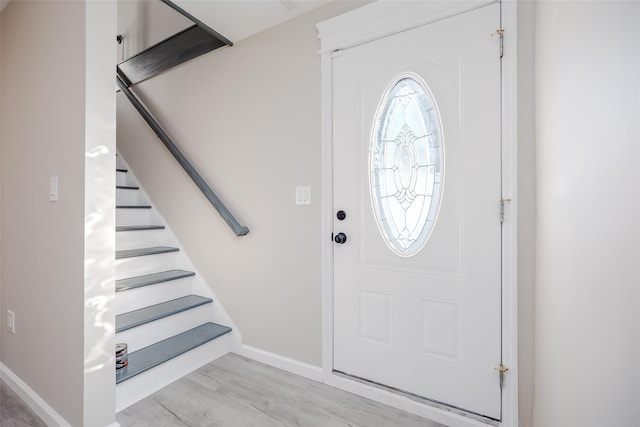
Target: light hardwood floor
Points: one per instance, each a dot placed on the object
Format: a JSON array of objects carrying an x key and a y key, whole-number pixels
[{"x": 235, "y": 391}]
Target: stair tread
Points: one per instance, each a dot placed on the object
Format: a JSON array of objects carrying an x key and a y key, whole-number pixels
[
  {"x": 133, "y": 206},
  {"x": 130, "y": 253},
  {"x": 162, "y": 351},
  {"x": 144, "y": 315},
  {"x": 175, "y": 50},
  {"x": 127, "y": 187},
  {"x": 139, "y": 227},
  {"x": 151, "y": 279}
]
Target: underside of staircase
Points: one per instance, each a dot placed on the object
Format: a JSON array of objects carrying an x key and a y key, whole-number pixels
[{"x": 165, "y": 313}]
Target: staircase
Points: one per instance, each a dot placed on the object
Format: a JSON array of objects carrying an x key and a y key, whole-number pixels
[{"x": 165, "y": 312}]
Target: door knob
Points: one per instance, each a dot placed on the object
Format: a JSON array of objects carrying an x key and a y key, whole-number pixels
[{"x": 340, "y": 238}]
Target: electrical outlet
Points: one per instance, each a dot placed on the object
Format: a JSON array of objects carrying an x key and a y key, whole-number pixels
[{"x": 11, "y": 321}]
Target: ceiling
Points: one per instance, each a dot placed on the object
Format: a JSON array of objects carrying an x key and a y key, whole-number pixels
[{"x": 239, "y": 19}]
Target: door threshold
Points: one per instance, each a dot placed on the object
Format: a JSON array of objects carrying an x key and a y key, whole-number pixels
[{"x": 422, "y": 400}]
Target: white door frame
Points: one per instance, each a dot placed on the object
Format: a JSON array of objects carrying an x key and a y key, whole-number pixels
[{"x": 370, "y": 23}]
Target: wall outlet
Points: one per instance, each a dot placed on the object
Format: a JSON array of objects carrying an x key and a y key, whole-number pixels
[{"x": 11, "y": 321}]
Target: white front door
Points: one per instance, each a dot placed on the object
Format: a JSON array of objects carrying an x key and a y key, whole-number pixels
[{"x": 417, "y": 253}]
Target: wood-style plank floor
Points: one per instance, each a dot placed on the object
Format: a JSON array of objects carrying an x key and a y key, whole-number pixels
[{"x": 235, "y": 391}]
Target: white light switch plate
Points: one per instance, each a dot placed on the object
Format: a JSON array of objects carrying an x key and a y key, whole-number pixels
[
  {"x": 53, "y": 189},
  {"x": 11, "y": 321},
  {"x": 303, "y": 195}
]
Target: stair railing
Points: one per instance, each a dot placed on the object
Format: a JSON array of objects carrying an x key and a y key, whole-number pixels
[
  {"x": 173, "y": 51},
  {"x": 225, "y": 213}
]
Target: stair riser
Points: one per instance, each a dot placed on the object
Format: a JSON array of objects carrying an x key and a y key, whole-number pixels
[
  {"x": 142, "y": 239},
  {"x": 120, "y": 164},
  {"x": 158, "y": 330},
  {"x": 133, "y": 216},
  {"x": 141, "y": 386},
  {"x": 145, "y": 296},
  {"x": 127, "y": 197},
  {"x": 122, "y": 178},
  {"x": 136, "y": 266}
]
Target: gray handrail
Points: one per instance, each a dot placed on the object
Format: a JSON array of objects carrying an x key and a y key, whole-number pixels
[{"x": 225, "y": 213}]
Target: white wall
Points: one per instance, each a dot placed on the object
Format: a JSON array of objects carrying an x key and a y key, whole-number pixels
[
  {"x": 145, "y": 23},
  {"x": 100, "y": 214},
  {"x": 63, "y": 346},
  {"x": 587, "y": 370},
  {"x": 248, "y": 117}
]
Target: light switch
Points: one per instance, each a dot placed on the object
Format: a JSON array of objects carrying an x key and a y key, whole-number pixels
[
  {"x": 53, "y": 189},
  {"x": 303, "y": 195}
]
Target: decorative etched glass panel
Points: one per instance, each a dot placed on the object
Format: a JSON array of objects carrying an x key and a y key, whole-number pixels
[{"x": 406, "y": 161}]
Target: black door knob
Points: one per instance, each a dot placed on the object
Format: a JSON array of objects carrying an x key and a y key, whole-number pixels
[
  {"x": 340, "y": 238},
  {"x": 341, "y": 215}
]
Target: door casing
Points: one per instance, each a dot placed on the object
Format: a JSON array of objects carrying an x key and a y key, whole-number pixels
[{"x": 366, "y": 24}]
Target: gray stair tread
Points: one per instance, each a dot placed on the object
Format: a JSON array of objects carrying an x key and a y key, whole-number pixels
[
  {"x": 127, "y": 187},
  {"x": 160, "y": 352},
  {"x": 139, "y": 317},
  {"x": 175, "y": 50},
  {"x": 133, "y": 206},
  {"x": 151, "y": 279},
  {"x": 139, "y": 227},
  {"x": 130, "y": 253}
]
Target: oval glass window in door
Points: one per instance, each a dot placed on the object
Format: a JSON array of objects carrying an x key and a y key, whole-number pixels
[{"x": 406, "y": 164}]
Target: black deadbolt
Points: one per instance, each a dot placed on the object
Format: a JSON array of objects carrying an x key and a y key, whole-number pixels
[
  {"x": 341, "y": 215},
  {"x": 340, "y": 238}
]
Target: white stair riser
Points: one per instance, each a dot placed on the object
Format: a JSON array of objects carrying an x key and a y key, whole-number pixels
[
  {"x": 133, "y": 216},
  {"x": 136, "y": 266},
  {"x": 143, "y": 239},
  {"x": 141, "y": 386},
  {"x": 120, "y": 164},
  {"x": 122, "y": 178},
  {"x": 126, "y": 197},
  {"x": 145, "y": 296},
  {"x": 158, "y": 330}
]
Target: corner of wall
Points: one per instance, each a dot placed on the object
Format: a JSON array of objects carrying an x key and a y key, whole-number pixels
[
  {"x": 99, "y": 203},
  {"x": 526, "y": 210}
]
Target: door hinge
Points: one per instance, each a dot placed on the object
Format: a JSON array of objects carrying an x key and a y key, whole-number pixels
[
  {"x": 500, "y": 33},
  {"x": 502, "y": 201},
  {"x": 502, "y": 370}
]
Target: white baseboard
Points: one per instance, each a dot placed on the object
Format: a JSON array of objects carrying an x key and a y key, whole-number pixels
[
  {"x": 31, "y": 398},
  {"x": 281, "y": 362}
]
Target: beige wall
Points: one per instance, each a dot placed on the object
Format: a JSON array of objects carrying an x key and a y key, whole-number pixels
[
  {"x": 526, "y": 211},
  {"x": 43, "y": 135},
  {"x": 587, "y": 296},
  {"x": 248, "y": 117},
  {"x": 45, "y": 124}
]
